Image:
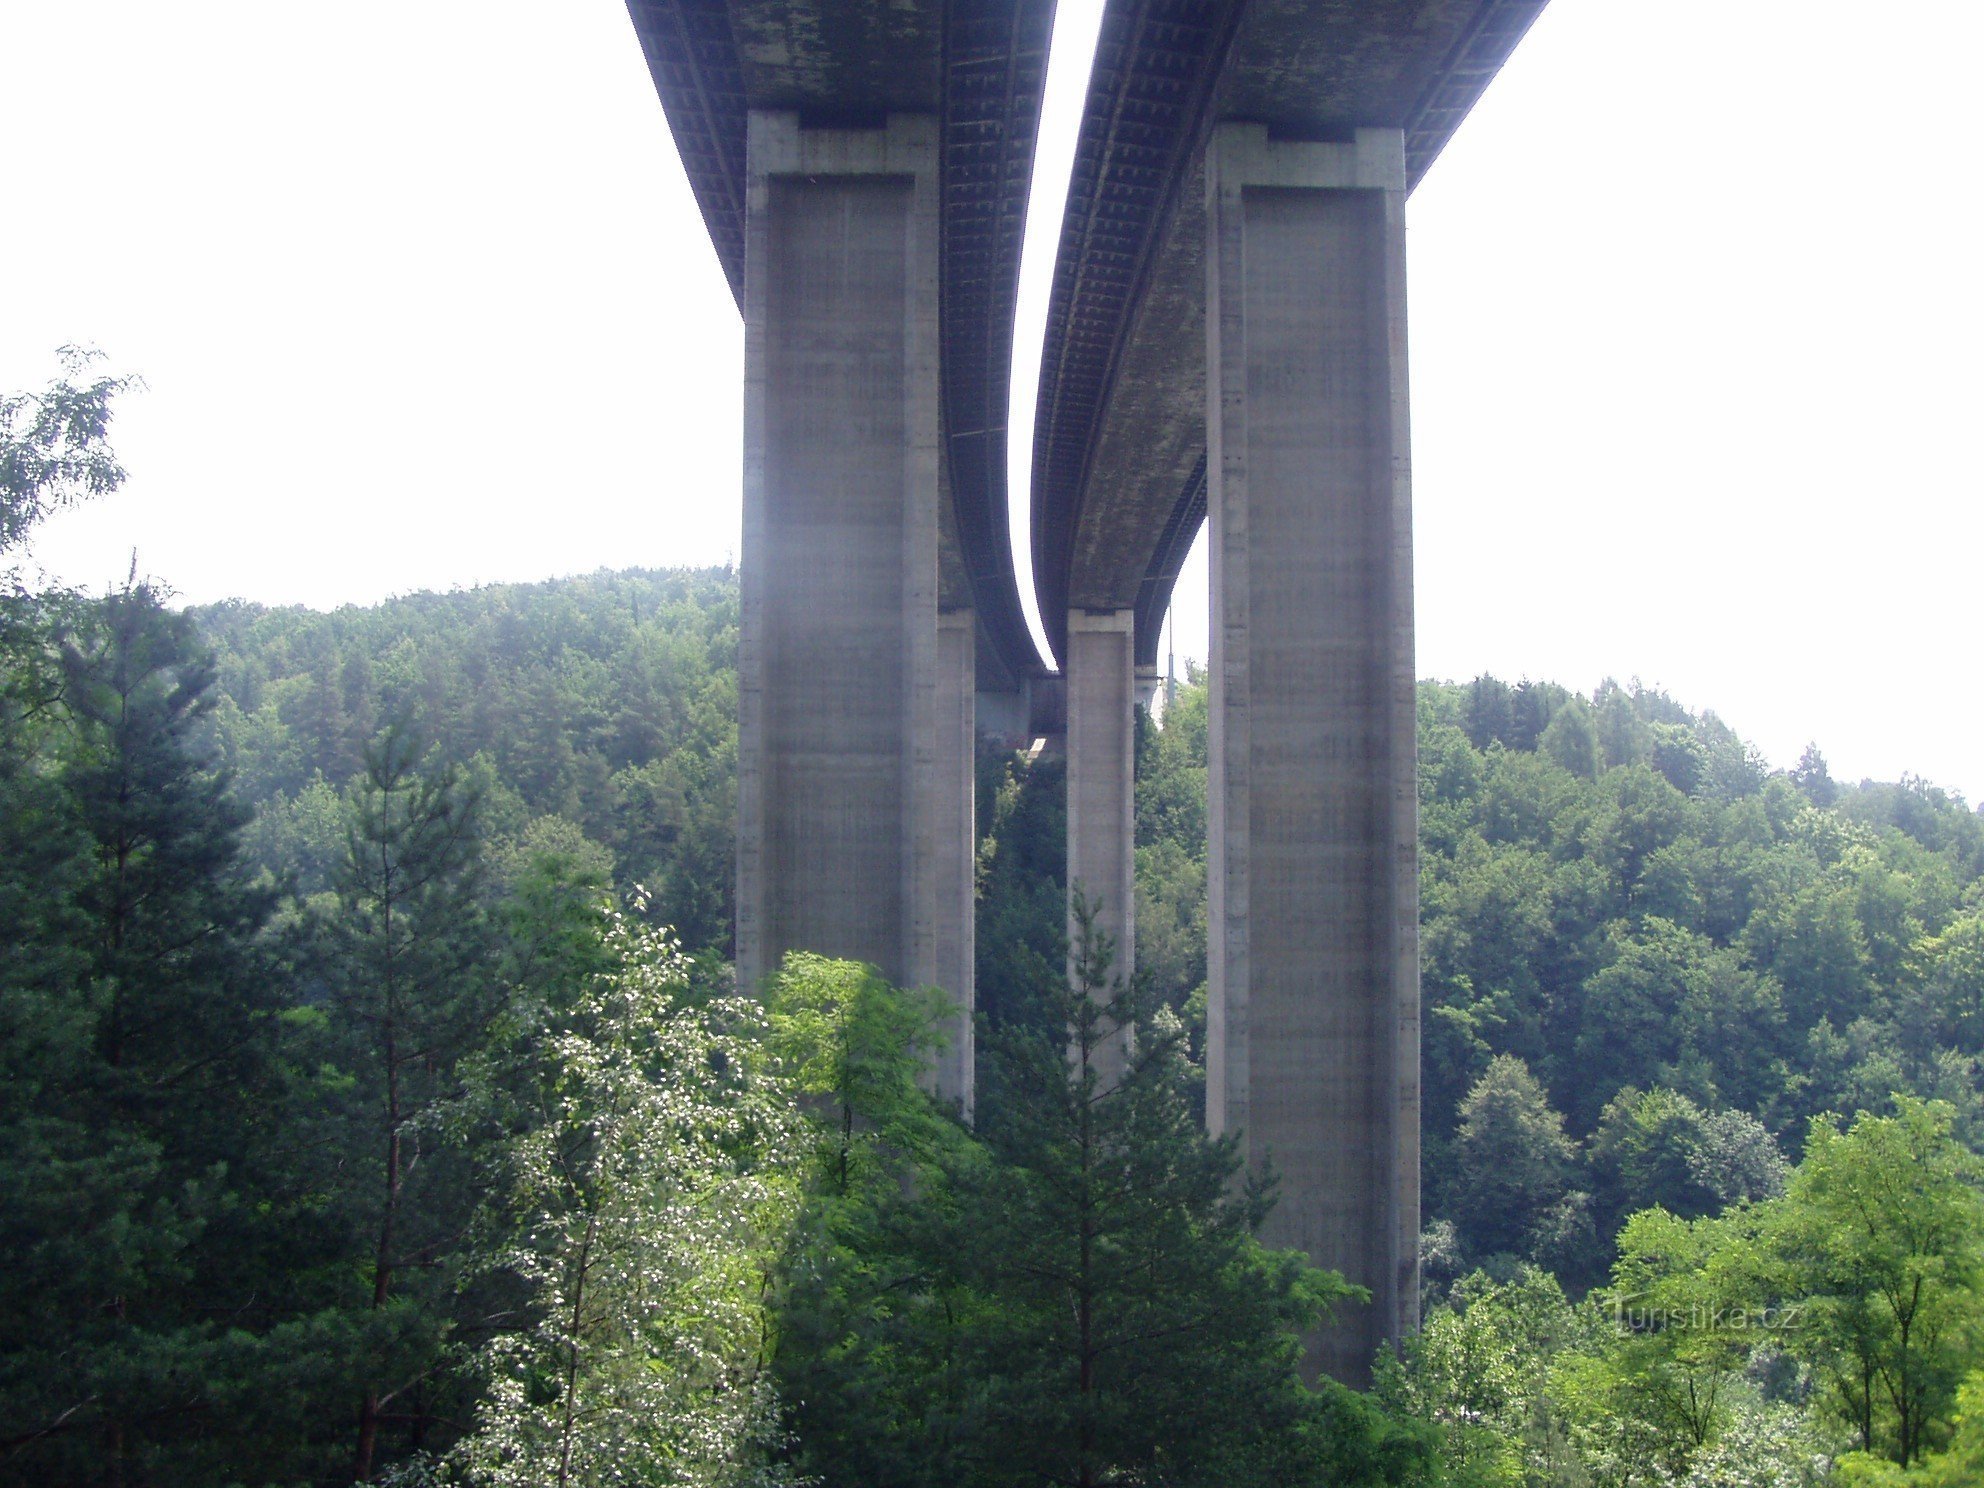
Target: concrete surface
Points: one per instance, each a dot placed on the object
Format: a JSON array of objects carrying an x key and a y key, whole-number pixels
[
  {"x": 1101, "y": 744},
  {"x": 956, "y": 846},
  {"x": 839, "y": 783},
  {"x": 1313, "y": 917}
]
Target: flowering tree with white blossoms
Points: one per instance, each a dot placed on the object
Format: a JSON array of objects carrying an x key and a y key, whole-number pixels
[{"x": 645, "y": 1207}]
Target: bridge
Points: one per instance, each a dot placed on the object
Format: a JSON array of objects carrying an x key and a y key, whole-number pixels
[{"x": 1225, "y": 342}]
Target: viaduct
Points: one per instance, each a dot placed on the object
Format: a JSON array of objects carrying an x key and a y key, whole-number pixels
[{"x": 1225, "y": 343}]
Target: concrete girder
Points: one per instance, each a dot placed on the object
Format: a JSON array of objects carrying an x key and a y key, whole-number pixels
[{"x": 841, "y": 62}]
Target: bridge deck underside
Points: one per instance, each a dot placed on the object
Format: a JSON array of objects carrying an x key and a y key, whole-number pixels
[
  {"x": 1119, "y": 456},
  {"x": 978, "y": 65}
]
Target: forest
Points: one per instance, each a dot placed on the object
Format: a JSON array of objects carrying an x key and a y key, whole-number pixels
[{"x": 378, "y": 1104}]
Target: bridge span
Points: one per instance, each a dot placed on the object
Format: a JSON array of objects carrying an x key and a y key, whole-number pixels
[
  {"x": 1226, "y": 341},
  {"x": 862, "y": 169}
]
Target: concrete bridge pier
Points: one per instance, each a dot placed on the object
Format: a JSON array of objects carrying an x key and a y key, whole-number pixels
[
  {"x": 956, "y": 850},
  {"x": 1313, "y": 906},
  {"x": 1102, "y": 739},
  {"x": 853, "y": 741}
]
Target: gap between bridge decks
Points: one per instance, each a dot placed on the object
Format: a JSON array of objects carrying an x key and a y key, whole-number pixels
[{"x": 1070, "y": 58}]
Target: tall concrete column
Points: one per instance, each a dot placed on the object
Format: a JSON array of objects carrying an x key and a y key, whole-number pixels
[
  {"x": 838, "y": 775},
  {"x": 955, "y": 809},
  {"x": 1313, "y": 1021},
  {"x": 1102, "y": 738}
]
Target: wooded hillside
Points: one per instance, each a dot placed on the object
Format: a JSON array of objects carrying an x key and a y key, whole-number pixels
[{"x": 354, "y": 1128}]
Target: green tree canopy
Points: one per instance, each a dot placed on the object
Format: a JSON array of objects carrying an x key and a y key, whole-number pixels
[
  {"x": 1513, "y": 1162},
  {"x": 1881, "y": 1233}
]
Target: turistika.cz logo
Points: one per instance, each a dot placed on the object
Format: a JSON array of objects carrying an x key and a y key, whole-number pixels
[{"x": 1635, "y": 1313}]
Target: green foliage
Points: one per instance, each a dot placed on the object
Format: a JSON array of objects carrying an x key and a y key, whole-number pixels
[
  {"x": 1655, "y": 915},
  {"x": 1077, "y": 1299},
  {"x": 55, "y": 445},
  {"x": 609, "y": 701},
  {"x": 1572, "y": 739},
  {"x": 1142, "y": 1333},
  {"x": 1939, "y": 1002},
  {"x": 1513, "y": 1161},
  {"x": 881, "y": 1329},
  {"x": 1658, "y": 1148},
  {"x": 1022, "y": 877},
  {"x": 303, "y": 1191},
  {"x": 409, "y": 998},
  {"x": 850, "y": 1039},
  {"x": 1171, "y": 855},
  {"x": 1742, "y": 1348},
  {"x": 1881, "y": 1235},
  {"x": 1963, "y": 1462},
  {"x": 1658, "y": 915},
  {"x": 169, "y": 906},
  {"x": 136, "y": 1003},
  {"x": 1687, "y": 1297},
  {"x": 1479, "y": 1371},
  {"x": 644, "y": 1193}
]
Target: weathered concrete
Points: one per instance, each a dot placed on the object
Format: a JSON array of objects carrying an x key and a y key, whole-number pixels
[
  {"x": 1005, "y": 718},
  {"x": 1117, "y": 493},
  {"x": 978, "y": 70},
  {"x": 833, "y": 239},
  {"x": 955, "y": 811},
  {"x": 838, "y": 773},
  {"x": 1102, "y": 736},
  {"x": 1110, "y": 480},
  {"x": 1314, "y": 994}
]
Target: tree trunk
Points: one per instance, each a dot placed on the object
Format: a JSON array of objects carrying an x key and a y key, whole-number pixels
[{"x": 572, "y": 1355}]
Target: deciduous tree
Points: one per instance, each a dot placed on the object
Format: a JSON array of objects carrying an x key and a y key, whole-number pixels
[{"x": 1881, "y": 1234}]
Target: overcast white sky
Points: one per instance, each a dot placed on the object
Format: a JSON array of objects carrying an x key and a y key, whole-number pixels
[{"x": 422, "y": 301}]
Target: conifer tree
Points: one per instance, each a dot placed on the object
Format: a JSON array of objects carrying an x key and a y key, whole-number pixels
[
  {"x": 407, "y": 961},
  {"x": 139, "y": 1008},
  {"x": 169, "y": 905},
  {"x": 1143, "y": 1336},
  {"x": 1078, "y": 1300}
]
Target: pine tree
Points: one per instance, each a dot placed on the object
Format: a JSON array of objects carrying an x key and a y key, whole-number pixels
[
  {"x": 168, "y": 903},
  {"x": 1077, "y": 1300},
  {"x": 408, "y": 962},
  {"x": 139, "y": 1004},
  {"x": 1141, "y": 1332}
]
